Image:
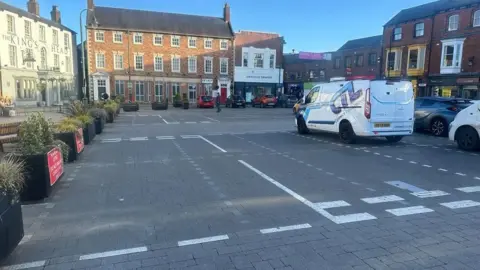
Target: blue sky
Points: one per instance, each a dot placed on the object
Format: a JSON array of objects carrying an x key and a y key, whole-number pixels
[{"x": 307, "y": 25}]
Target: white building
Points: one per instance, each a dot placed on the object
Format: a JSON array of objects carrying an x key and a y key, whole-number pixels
[{"x": 38, "y": 57}]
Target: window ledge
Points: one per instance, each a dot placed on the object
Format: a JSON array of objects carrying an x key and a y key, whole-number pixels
[{"x": 450, "y": 70}]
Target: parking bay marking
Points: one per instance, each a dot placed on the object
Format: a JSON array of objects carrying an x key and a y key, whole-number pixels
[
  {"x": 336, "y": 219},
  {"x": 113, "y": 253},
  {"x": 469, "y": 189},
  {"x": 461, "y": 204},
  {"x": 429, "y": 194},
  {"x": 286, "y": 228},
  {"x": 382, "y": 199},
  {"x": 409, "y": 210},
  {"x": 203, "y": 240}
]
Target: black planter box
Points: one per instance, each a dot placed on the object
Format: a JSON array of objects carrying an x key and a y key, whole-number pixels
[
  {"x": 11, "y": 229},
  {"x": 99, "y": 125},
  {"x": 38, "y": 182},
  {"x": 159, "y": 106},
  {"x": 5, "y": 201},
  {"x": 131, "y": 107},
  {"x": 186, "y": 105},
  {"x": 89, "y": 133},
  {"x": 110, "y": 117},
  {"x": 177, "y": 103},
  {"x": 70, "y": 139}
]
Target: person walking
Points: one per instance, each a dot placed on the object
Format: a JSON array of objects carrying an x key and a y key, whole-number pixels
[{"x": 217, "y": 102}]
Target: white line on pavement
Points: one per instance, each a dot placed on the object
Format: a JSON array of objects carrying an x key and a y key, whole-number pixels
[
  {"x": 25, "y": 239},
  {"x": 203, "y": 240},
  {"x": 477, "y": 178},
  {"x": 190, "y": 136},
  {"x": 382, "y": 199},
  {"x": 111, "y": 140},
  {"x": 413, "y": 162},
  {"x": 215, "y": 120},
  {"x": 190, "y": 122},
  {"x": 212, "y": 144},
  {"x": 165, "y": 138},
  {"x": 429, "y": 194},
  {"x": 286, "y": 228},
  {"x": 166, "y": 122},
  {"x": 205, "y": 122},
  {"x": 426, "y": 166},
  {"x": 399, "y": 158},
  {"x": 160, "y": 116},
  {"x": 460, "y": 174},
  {"x": 173, "y": 123},
  {"x": 460, "y": 204},
  {"x": 387, "y": 156},
  {"x": 24, "y": 265},
  {"x": 443, "y": 170},
  {"x": 409, "y": 210},
  {"x": 333, "y": 204},
  {"x": 113, "y": 253},
  {"x": 135, "y": 139},
  {"x": 469, "y": 189}
]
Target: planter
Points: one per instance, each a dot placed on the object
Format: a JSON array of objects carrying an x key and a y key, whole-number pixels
[
  {"x": 11, "y": 229},
  {"x": 118, "y": 111},
  {"x": 99, "y": 125},
  {"x": 42, "y": 172},
  {"x": 177, "y": 103},
  {"x": 186, "y": 105},
  {"x": 110, "y": 117},
  {"x": 159, "y": 106},
  {"x": 89, "y": 133},
  {"x": 130, "y": 107},
  {"x": 74, "y": 140},
  {"x": 5, "y": 201}
]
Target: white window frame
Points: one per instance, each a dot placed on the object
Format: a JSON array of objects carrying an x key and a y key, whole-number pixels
[
  {"x": 28, "y": 28},
  {"x": 255, "y": 58},
  {"x": 423, "y": 29},
  {"x": 100, "y": 65},
  {"x": 135, "y": 61},
  {"x": 120, "y": 85},
  {"x": 135, "y": 35},
  {"x": 155, "y": 66},
  {"x": 155, "y": 36},
  {"x": 99, "y": 36},
  {"x": 453, "y": 22},
  {"x": 42, "y": 33},
  {"x": 398, "y": 60},
  {"x": 456, "y": 66},
  {"x": 11, "y": 24},
  {"x": 476, "y": 18},
  {"x": 190, "y": 40},
  {"x": 55, "y": 36},
  {"x": 161, "y": 87},
  {"x": 175, "y": 89},
  {"x": 176, "y": 57},
  {"x": 175, "y": 38},
  {"x": 245, "y": 56},
  {"x": 66, "y": 40},
  {"x": 115, "y": 35},
  {"x": 68, "y": 64},
  {"x": 270, "y": 64},
  {"x": 116, "y": 57},
  {"x": 192, "y": 88},
  {"x": 138, "y": 83},
  {"x": 12, "y": 54},
  {"x": 205, "y": 43},
  {"x": 399, "y": 34},
  {"x": 205, "y": 59},
  {"x": 420, "y": 58},
  {"x": 222, "y": 42},
  {"x": 56, "y": 60},
  {"x": 192, "y": 68},
  {"x": 223, "y": 60}
]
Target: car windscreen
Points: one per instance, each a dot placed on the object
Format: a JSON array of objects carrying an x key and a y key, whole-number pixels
[{"x": 207, "y": 98}]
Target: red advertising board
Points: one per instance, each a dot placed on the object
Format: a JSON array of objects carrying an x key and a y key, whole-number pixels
[
  {"x": 55, "y": 165},
  {"x": 79, "y": 140}
]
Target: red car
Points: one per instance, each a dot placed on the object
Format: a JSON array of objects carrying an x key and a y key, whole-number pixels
[
  {"x": 205, "y": 102},
  {"x": 264, "y": 101}
]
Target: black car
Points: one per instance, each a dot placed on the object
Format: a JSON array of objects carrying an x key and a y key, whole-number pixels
[
  {"x": 287, "y": 101},
  {"x": 235, "y": 101}
]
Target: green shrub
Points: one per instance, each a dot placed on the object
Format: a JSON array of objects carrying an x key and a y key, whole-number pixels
[
  {"x": 85, "y": 119},
  {"x": 12, "y": 176},
  {"x": 35, "y": 134}
]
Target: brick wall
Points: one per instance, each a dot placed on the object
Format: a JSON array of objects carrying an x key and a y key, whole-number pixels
[
  {"x": 363, "y": 70},
  {"x": 258, "y": 40}
]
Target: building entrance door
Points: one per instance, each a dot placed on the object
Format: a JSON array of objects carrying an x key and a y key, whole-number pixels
[
  {"x": 223, "y": 95},
  {"x": 101, "y": 88}
]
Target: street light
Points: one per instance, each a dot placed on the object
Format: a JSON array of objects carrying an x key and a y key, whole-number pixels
[{"x": 84, "y": 86}]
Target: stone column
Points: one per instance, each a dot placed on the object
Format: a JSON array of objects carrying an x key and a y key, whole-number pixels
[{"x": 59, "y": 97}]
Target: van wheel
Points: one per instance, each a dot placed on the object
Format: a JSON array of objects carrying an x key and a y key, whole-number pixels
[
  {"x": 394, "y": 139},
  {"x": 347, "y": 135},
  {"x": 438, "y": 127},
  {"x": 302, "y": 126},
  {"x": 467, "y": 139}
]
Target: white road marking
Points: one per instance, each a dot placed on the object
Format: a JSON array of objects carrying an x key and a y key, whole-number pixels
[
  {"x": 378, "y": 154},
  {"x": 25, "y": 239},
  {"x": 165, "y": 138},
  {"x": 159, "y": 116},
  {"x": 215, "y": 120},
  {"x": 143, "y": 115},
  {"x": 382, "y": 199},
  {"x": 426, "y": 166},
  {"x": 212, "y": 144},
  {"x": 399, "y": 158},
  {"x": 203, "y": 240},
  {"x": 443, "y": 170},
  {"x": 469, "y": 189},
  {"x": 166, "y": 122},
  {"x": 413, "y": 162},
  {"x": 173, "y": 123},
  {"x": 461, "y": 204},
  {"x": 477, "y": 178},
  {"x": 460, "y": 174},
  {"x": 353, "y": 218},
  {"x": 190, "y": 122},
  {"x": 24, "y": 265},
  {"x": 286, "y": 228},
  {"x": 113, "y": 253},
  {"x": 190, "y": 136},
  {"x": 387, "y": 156},
  {"x": 370, "y": 189},
  {"x": 206, "y": 122},
  {"x": 366, "y": 151},
  {"x": 333, "y": 204},
  {"x": 330, "y": 173},
  {"x": 70, "y": 179},
  {"x": 409, "y": 210},
  {"x": 111, "y": 140},
  {"x": 429, "y": 194},
  {"x": 136, "y": 139},
  {"x": 364, "y": 216}
]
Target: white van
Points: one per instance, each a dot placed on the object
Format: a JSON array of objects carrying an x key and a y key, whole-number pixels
[
  {"x": 465, "y": 128},
  {"x": 366, "y": 108}
]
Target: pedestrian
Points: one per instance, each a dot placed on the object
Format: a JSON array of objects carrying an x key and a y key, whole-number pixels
[{"x": 217, "y": 103}]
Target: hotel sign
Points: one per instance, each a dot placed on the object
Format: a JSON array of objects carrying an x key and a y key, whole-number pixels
[{"x": 28, "y": 43}]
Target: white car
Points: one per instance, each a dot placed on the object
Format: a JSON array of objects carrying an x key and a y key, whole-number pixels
[
  {"x": 465, "y": 128},
  {"x": 377, "y": 108}
]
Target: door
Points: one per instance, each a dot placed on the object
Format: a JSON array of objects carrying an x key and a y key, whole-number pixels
[
  {"x": 223, "y": 95},
  {"x": 101, "y": 88}
]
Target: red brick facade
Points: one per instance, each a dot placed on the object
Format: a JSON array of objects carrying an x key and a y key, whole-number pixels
[
  {"x": 368, "y": 67},
  {"x": 258, "y": 40}
]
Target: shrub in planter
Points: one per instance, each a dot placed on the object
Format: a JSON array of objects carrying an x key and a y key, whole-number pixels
[
  {"x": 160, "y": 105},
  {"x": 88, "y": 129},
  {"x": 70, "y": 131},
  {"x": 186, "y": 104},
  {"x": 12, "y": 179},
  {"x": 110, "y": 109},
  {"x": 42, "y": 158},
  {"x": 100, "y": 117},
  {"x": 131, "y": 107},
  {"x": 177, "y": 101}
]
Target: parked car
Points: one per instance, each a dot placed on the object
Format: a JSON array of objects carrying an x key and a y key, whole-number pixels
[
  {"x": 235, "y": 101},
  {"x": 465, "y": 128},
  {"x": 265, "y": 101},
  {"x": 364, "y": 108},
  {"x": 287, "y": 101},
  {"x": 205, "y": 102},
  {"x": 436, "y": 113}
]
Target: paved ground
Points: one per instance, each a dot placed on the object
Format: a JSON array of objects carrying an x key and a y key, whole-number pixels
[{"x": 241, "y": 190}]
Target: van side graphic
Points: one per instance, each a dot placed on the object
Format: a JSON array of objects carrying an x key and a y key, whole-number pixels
[{"x": 347, "y": 89}]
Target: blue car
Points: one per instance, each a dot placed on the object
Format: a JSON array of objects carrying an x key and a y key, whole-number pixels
[{"x": 435, "y": 114}]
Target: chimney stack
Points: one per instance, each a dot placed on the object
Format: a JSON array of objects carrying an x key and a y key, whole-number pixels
[
  {"x": 33, "y": 7},
  {"x": 90, "y": 4},
  {"x": 55, "y": 14},
  {"x": 226, "y": 12}
]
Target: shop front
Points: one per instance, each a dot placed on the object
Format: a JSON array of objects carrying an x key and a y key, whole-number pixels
[
  {"x": 250, "y": 83},
  {"x": 469, "y": 87},
  {"x": 443, "y": 86}
]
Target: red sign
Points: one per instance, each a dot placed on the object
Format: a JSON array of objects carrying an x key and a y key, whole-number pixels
[
  {"x": 79, "y": 140},
  {"x": 55, "y": 165}
]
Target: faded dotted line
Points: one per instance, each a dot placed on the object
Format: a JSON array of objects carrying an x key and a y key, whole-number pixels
[
  {"x": 229, "y": 207},
  {"x": 412, "y": 162}
]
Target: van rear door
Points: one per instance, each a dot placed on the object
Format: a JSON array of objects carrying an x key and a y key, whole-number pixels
[{"x": 391, "y": 102}]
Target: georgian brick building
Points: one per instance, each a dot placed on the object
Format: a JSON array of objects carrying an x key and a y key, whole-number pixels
[{"x": 149, "y": 55}]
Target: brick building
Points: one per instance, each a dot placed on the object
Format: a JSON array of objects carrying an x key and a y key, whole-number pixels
[
  {"x": 303, "y": 70},
  {"x": 358, "y": 58},
  {"x": 149, "y": 55},
  {"x": 258, "y": 64},
  {"x": 435, "y": 45}
]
